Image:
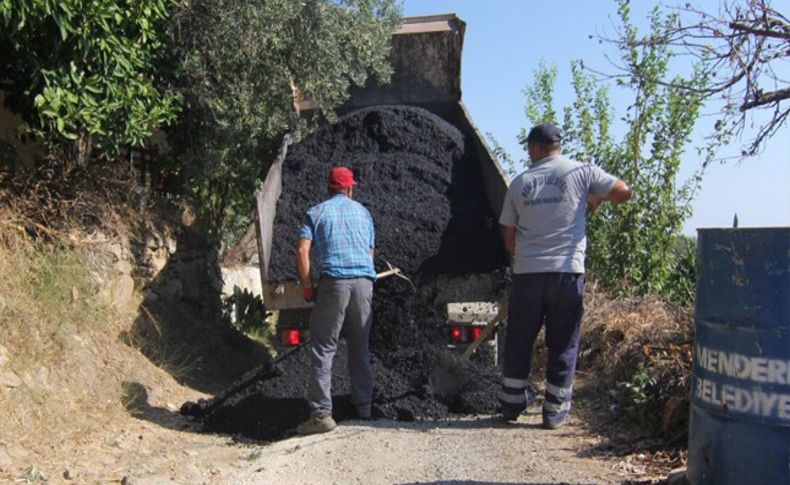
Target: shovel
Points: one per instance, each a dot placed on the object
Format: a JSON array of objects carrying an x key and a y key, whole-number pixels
[
  {"x": 393, "y": 271},
  {"x": 448, "y": 377}
]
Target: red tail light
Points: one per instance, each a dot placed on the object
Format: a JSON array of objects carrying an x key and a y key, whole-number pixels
[
  {"x": 294, "y": 338},
  {"x": 466, "y": 334}
]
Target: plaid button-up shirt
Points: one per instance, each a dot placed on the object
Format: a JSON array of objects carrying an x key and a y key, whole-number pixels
[{"x": 342, "y": 235}]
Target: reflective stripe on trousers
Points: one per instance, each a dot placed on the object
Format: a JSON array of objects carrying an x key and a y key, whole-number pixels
[
  {"x": 537, "y": 299},
  {"x": 513, "y": 396},
  {"x": 557, "y": 399}
]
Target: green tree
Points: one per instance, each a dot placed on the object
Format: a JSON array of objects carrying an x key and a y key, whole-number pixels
[
  {"x": 239, "y": 63},
  {"x": 631, "y": 246},
  {"x": 84, "y": 74}
]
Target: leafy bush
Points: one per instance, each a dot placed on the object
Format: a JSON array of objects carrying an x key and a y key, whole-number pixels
[
  {"x": 681, "y": 285},
  {"x": 247, "y": 313},
  {"x": 246, "y": 310},
  {"x": 639, "y": 395},
  {"x": 85, "y": 75},
  {"x": 92, "y": 78}
]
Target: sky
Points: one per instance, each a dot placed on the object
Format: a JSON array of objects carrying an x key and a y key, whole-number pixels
[{"x": 503, "y": 45}]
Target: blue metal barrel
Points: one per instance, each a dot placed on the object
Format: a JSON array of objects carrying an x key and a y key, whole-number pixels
[{"x": 739, "y": 430}]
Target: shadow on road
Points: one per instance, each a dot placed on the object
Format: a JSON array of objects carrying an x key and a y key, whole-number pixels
[
  {"x": 180, "y": 327},
  {"x": 135, "y": 399}
]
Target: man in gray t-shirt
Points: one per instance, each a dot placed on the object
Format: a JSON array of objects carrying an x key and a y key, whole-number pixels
[{"x": 543, "y": 220}]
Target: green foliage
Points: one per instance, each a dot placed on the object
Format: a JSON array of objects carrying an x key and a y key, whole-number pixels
[
  {"x": 634, "y": 243},
  {"x": 681, "y": 285},
  {"x": 83, "y": 73},
  {"x": 540, "y": 98},
  {"x": 639, "y": 398},
  {"x": 631, "y": 246},
  {"x": 91, "y": 77},
  {"x": 248, "y": 313},
  {"x": 248, "y": 310},
  {"x": 500, "y": 153},
  {"x": 238, "y": 65},
  {"x": 654, "y": 395}
]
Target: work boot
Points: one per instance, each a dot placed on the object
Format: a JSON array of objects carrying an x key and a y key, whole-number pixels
[
  {"x": 317, "y": 424},
  {"x": 509, "y": 416},
  {"x": 363, "y": 412},
  {"x": 554, "y": 422}
]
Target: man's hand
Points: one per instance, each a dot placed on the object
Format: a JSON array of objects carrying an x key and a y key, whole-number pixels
[
  {"x": 620, "y": 193},
  {"x": 592, "y": 203},
  {"x": 509, "y": 238},
  {"x": 309, "y": 294}
]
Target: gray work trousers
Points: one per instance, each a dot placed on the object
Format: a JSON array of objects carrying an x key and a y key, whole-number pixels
[{"x": 340, "y": 303}]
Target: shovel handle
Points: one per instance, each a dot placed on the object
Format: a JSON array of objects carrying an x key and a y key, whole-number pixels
[
  {"x": 389, "y": 272},
  {"x": 486, "y": 332}
]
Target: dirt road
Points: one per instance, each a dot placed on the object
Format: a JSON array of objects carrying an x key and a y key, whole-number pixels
[
  {"x": 461, "y": 451},
  {"x": 163, "y": 447}
]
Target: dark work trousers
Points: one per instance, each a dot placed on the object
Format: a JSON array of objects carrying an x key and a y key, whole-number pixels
[
  {"x": 340, "y": 303},
  {"x": 535, "y": 298}
]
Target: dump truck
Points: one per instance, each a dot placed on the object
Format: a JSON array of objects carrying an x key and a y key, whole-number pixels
[{"x": 426, "y": 58}]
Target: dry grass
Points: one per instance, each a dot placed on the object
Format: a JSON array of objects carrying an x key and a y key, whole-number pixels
[
  {"x": 62, "y": 339},
  {"x": 63, "y": 203},
  {"x": 621, "y": 333},
  {"x": 57, "y": 325},
  {"x": 640, "y": 349},
  {"x": 56, "y": 332},
  {"x": 78, "y": 207}
]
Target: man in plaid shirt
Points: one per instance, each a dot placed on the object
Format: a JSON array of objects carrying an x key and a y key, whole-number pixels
[{"x": 341, "y": 233}]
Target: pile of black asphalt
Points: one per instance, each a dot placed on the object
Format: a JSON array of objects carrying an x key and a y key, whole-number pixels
[{"x": 420, "y": 178}]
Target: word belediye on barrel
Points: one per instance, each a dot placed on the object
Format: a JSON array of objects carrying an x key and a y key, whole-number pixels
[{"x": 740, "y": 394}]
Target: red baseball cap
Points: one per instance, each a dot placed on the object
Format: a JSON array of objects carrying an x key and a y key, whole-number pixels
[{"x": 341, "y": 178}]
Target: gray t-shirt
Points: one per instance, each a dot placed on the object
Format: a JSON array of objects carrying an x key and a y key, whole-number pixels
[{"x": 547, "y": 205}]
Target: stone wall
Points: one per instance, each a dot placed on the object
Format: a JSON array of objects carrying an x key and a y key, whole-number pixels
[{"x": 155, "y": 263}]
